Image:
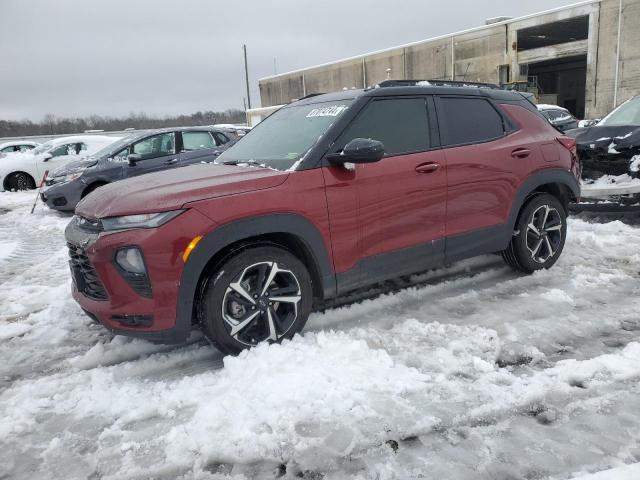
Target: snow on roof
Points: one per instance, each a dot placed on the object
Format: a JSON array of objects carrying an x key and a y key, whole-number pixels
[
  {"x": 84, "y": 139},
  {"x": 542, "y": 106}
]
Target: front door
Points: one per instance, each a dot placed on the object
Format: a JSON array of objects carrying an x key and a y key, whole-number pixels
[
  {"x": 154, "y": 153},
  {"x": 387, "y": 218}
]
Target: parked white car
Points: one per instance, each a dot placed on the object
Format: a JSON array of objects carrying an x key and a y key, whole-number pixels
[
  {"x": 17, "y": 146},
  {"x": 25, "y": 170}
]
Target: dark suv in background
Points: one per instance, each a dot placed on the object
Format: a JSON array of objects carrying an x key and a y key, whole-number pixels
[
  {"x": 141, "y": 153},
  {"x": 327, "y": 195}
]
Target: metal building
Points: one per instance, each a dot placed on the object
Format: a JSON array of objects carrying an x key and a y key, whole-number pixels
[{"x": 584, "y": 57}]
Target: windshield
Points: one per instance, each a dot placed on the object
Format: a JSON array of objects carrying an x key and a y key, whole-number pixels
[
  {"x": 626, "y": 114},
  {"x": 285, "y": 136},
  {"x": 42, "y": 148}
]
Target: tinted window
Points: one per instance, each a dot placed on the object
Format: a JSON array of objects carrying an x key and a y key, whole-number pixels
[
  {"x": 156, "y": 146},
  {"x": 8, "y": 149},
  {"x": 469, "y": 120},
  {"x": 197, "y": 140},
  {"x": 400, "y": 124},
  {"x": 24, "y": 148},
  {"x": 221, "y": 139}
]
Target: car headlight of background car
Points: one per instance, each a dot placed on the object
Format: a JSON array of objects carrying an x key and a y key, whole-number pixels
[{"x": 143, "y": 220}]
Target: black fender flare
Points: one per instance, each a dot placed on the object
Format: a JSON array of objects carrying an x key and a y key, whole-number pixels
[
  {"x": 543, "y": 177},
  {"x": 230, "y": 233}
]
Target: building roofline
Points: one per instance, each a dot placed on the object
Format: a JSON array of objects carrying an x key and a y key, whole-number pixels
[{"x": 433, "y": 39}]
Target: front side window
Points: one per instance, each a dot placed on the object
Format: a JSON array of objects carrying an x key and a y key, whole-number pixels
[
  {"x": 8, "y": 149},
  {"x": 197, "y": 141},
  {"x": 221, "y": 139},
  {"x": 626, "y": 114},
  {"x": 156, "y": 146},
  {"x": 66, "y": 149},
  {"x": 401, "y": 124},
  {"x": 468, "y": 120},
  {"x": 121, "y": 156},
  {"x": 25, "y": 148},
  {"x": 283, "y": 138}
]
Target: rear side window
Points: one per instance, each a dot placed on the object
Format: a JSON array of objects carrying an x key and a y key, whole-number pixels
[
  {"x": 401, "y": 124},
  {"x": 197, "y": 141},
  {"x": 468, "y": 120}
]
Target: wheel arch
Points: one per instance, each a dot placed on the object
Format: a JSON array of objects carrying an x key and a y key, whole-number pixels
[
  {"x": 92, "y": 186},
  {"x": 5, "y": 182},
  {"x": 559, "y": 183},
  {"x": 291, "y": 232}
]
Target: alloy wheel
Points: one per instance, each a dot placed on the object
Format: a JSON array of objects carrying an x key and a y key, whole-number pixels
[
  {"x": 544, "y": 233},
  {"x": 261, "y": 303}
]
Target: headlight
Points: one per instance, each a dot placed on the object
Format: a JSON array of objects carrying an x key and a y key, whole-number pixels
[
  {"x": 144, "y": 220},
  {"x": 71, "y": 176},
  {"x": 65, "y": 178}
]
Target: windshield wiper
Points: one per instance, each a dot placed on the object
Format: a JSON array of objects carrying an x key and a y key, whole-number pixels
[{"x": 241, "y": 162}]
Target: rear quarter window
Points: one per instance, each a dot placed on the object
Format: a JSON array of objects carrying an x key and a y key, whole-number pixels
[{"x": 468, "y": 120}]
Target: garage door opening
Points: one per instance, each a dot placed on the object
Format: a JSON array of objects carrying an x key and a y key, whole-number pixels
[{"x": 562, "y": 82}]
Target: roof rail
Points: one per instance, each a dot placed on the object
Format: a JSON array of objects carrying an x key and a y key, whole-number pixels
[
  {"x": 310, "y": 95},
  {"x": 435, "y": 83}
]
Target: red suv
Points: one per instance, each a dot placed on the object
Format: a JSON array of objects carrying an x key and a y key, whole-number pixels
[{"x": 329, "y": 194}]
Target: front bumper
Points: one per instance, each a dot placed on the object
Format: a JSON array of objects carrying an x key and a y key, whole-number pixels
[
  {"x": 121, "y": 309},
  {"x": 63, "y": 196}
]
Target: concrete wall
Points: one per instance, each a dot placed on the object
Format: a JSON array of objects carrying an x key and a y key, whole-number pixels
[
  {"x": 477, "y": 54},
  {"x": 600, "y": 95}
]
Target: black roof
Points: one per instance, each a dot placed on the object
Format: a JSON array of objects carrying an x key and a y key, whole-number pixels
[{"x": 413, "y": 87}]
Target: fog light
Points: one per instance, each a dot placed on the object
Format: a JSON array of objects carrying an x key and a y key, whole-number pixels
[
  {"x": 130, "y": 264},
  {"x": 130, "y": 260}
]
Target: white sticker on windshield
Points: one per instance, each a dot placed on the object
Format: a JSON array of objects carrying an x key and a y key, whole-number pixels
[{"x": 332, "y": 111}]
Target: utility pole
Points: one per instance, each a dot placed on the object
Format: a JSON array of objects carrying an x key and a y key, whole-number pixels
[{"x": 246, "y": 75}]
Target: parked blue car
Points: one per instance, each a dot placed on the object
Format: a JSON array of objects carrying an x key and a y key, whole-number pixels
[{"x": 143, "y": 152}]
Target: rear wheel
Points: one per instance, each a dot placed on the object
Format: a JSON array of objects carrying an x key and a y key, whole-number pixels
[
  {"x": 541, "y": 231},
  {"x": 20, "y": 181},
  {"x": 260, "y": 294}
]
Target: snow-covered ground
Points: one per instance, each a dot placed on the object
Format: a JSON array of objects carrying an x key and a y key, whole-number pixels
[{"x": 474, "y": 373}]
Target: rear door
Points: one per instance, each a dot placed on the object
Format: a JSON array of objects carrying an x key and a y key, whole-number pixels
[
  {"x": 388, "y": 217},
  {"x": 482, "y": 165},
  {"x": 198, "y": 146},
  {"x": 157, "y": 152}
]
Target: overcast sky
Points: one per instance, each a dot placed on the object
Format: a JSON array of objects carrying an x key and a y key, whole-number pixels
[{"x": 112, "y": 57}]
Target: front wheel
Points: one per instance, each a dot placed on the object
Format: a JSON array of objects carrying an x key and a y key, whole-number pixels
[
  {"x": 20, "y": 181},
  {"x": 539, "y": 237},
  {"x": 260, "y": 294}
]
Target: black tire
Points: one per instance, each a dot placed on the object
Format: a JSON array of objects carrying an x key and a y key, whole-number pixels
[
  {"x": 20, "y": 181},
  {"x": 225, "y": 307},
  {"x": 534, "y": 247}
]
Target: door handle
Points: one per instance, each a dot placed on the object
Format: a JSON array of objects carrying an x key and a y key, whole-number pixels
[
  {"x": 169, "y": 162},
  {"x": 521, "y": 153},
  {"x": 427, "y": 167}
]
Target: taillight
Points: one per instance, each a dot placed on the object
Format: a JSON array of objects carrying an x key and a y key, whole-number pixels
[{"x": 569, "y": 143}]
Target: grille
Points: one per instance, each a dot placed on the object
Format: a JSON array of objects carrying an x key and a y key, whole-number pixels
[{"x": 84, "y": 275}]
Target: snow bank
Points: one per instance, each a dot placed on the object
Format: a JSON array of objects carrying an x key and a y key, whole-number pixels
[{"x": 628, "y": 472}]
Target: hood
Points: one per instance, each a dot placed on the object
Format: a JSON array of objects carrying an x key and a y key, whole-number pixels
[
  {"x": 619, "y": 135},
  {"x": 73, "y": 167},
  {"x": 172, "y": 189}
]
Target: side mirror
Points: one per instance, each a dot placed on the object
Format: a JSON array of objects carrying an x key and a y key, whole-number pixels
[
  {"x": 358, "y": 150},
  {"x": 46, "y": 157},
  {"x": 133, "y": 158}
]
